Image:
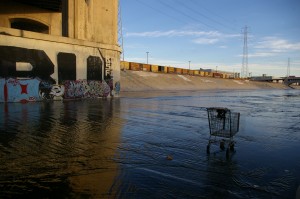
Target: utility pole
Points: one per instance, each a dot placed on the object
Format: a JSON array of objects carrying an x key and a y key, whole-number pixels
[
  {"x": 245, "y": 69},
  {"x": 189, "y": 65},
  {"x": 288, "y": 68},
  {"x": 147, "y": 56}
]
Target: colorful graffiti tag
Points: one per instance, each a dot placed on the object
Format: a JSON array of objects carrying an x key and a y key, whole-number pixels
[
  {"x": 85, "y": 89},
  {"x": 36, "y": 84},
  {"x": 14, "y": 90},
  {"x": 117, "y": 88},
  {"x": 26, "y": 90}
]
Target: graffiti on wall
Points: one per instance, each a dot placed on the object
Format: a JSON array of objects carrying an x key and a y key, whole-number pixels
[
  {"x": 117, "y": 88},
  {"x": 36, "y": 83},
  {"x": 86, "y": 89},
  {"x": 14, "y": 90},
  {"x": 27, "y": 90}
]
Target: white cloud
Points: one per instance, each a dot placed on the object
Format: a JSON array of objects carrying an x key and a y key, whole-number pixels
[
  {"x": 277, "y": 45},
  {"x": 273, "y": 46},
  {"x": 261, "y": 54},
  {"x": 206, "y": 40},
  {"x": 172, "y": 33},
  {"x": 202, "y": 37}
]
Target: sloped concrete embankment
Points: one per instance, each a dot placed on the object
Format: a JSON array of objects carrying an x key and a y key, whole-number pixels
[{"x": 148, "y": 81}]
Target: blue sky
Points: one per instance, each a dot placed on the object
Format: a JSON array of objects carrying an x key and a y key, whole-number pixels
[{"x": 209, "y": 34}]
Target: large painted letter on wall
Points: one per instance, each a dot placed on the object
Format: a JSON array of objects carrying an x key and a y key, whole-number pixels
[
  {"x": 94, "y": 68},
  {"x": 66, "y": 67},
  {"x": 42, "y": 66}
]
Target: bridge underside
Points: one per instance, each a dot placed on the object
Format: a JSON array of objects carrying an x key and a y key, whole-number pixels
[{"x": 289, "y": 82}]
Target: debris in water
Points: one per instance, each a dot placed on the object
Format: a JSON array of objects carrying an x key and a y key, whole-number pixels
[{"x": 169, "y": 157}]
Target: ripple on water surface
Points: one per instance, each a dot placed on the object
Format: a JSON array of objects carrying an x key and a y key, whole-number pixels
[{"x": 152, "y": 147}]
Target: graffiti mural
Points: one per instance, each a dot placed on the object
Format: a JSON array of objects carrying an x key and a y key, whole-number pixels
[
  {"x": 51, "y": 92},
  {"x": 74, "y": 89},
  {"x": 57, "y": 92},
  {"x": 45, "y": 89},
  {"x": 117, "y": 88},
  {"x": 85, "y": 89},
  {"x": 25, "y": 75},
  {"x": 97, "y": 89},
  {"x": 15, "y": 90},
  {"x": 2, "y": 84}
]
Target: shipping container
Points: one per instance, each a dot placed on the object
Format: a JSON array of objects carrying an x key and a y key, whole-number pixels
[
  {"x": 196, "y": 72},
  {"x": 154, "y": 68},
  {"x": 185, "y": 71},
  {"x": 124, "y": 65},
  {"x": 178, "y": 70},
  {"x": 134, "y": 66},
  {"x": 164, "y": 69},
  {"x": 216, "y": 75},
  {"x": 202, "y": 73},
  {"x": 191, "y": 72},
  {"x": 146, "y": 67},
  {"x": 171, "y": 69}
]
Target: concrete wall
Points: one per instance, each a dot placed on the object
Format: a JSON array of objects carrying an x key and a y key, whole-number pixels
[
  {"x": 94, "y": 20},
  {"x": 53, "y": 45},
  {"x": 10, "y": 10},
  {"x": 92, "y": 31},
  {"x": 90, "y": 20}
]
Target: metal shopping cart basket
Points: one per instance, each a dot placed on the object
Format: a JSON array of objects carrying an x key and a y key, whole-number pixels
[{"x": 225, "y": 124}]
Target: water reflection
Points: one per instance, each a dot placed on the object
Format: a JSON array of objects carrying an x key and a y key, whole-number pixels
[
  {"x": 119, "y": 148},
  {"x": 62, "y": 149}
]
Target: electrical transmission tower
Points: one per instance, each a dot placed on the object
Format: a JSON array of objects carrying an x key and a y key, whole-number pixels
[
  {"x": 245, "y": 70},
  {"x": 288, "y": 68},
  {"x": 120, "y": 29}
]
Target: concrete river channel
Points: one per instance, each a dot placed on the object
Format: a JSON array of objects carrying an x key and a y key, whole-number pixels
[{"x": 150, "y": 145}]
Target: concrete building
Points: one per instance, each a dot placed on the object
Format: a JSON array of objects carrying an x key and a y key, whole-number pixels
[{"x": 58, "y": 41}]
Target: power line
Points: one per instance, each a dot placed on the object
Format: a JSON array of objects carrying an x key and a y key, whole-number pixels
[
  {"x": 161, "y": 12},
  {"x": 213, "y": 13},
  {"x": 204, "y": 16},
  {"x": 183, "y": 13}
]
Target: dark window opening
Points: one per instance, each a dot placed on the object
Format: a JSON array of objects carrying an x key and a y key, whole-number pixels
[
  {"x": 66, "y": 67},
  {"x": 94, "y": 68},
  {"x": 29, "y": 25}
]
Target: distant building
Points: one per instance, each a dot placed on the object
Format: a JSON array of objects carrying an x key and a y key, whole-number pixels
[{"x": 59, "y": 40}]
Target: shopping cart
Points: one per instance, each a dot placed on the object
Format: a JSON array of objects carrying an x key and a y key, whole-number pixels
[{"x": 225, "y": 124}]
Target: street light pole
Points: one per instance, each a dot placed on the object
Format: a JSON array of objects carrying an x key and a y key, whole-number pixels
[
  {"x": 189, "y": 65},
  {"x": 147, "y": 56}
]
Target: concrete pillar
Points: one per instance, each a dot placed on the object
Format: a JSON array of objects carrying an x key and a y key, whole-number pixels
[{"x": 71, "y": 18}]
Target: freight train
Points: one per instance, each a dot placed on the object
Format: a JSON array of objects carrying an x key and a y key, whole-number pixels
[{"x": 125, "y": 65}]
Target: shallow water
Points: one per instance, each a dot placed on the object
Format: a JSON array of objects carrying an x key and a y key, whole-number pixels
[{"x": 118, "y": 148}]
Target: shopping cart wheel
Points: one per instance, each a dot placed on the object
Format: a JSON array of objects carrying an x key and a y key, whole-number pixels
[
  {"x": 208, "y": 149},
  {"x": 222, "y": 144}
]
